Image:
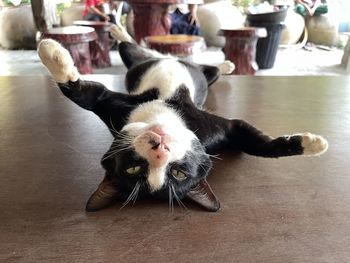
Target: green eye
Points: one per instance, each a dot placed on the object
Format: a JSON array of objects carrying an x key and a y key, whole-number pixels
[
  {"x": 180, "y": 176},
  {"x": 133, "y": 170}
]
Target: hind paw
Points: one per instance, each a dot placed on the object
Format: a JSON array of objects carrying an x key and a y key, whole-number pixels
[
  {"x": 226, "y": 68},
  {"x": 58, "y": 61},
  {"x": 119, "y": 33},
  {"x": 313, "y": 144}
]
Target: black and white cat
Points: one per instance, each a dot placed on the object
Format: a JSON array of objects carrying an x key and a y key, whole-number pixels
[{"x": 162, "y": 137}]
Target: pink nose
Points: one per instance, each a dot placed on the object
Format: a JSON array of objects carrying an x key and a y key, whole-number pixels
[
  {"x": 158, "y": 130},
  {"x": 159, "y": 151}
]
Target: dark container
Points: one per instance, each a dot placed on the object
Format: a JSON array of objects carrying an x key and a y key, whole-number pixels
[
  {"x": 266, "y": 48},
  {"x": 271, "y": 17}
]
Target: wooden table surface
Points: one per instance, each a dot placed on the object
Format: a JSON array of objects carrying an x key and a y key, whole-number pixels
[{"x": 294, "y": 209}]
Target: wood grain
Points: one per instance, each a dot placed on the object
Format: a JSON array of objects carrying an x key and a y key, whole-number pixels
[{"x": 286, "y": 210}]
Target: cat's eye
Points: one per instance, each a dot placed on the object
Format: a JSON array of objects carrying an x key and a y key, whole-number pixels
[
  {"x": 178, "y": 175},
  {"x": 133, "y": 170}
]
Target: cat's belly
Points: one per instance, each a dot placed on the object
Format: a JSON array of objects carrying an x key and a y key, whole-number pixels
[{"x": 167, "y": 76}]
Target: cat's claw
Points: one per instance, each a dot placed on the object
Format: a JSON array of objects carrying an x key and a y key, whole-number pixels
[
  {"x": 227, "y": 67},
  {"x": 119, "y": 33},
  {"x": 58, "y": 61},
  {"x": 313, "y": 144}
]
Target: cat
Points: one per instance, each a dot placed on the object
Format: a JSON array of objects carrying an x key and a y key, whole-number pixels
[{"x": 162, "y": 137}]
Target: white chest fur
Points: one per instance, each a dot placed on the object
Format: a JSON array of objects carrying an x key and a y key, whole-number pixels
[
  {"x": 179, "y": 139},
  {"x": 167, "y": 76},
  {"x": 155, "y": 112}
]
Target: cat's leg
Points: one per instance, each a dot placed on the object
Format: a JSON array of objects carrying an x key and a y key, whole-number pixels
[
  {"x": 217, "y": 133},
  {"x": 132, "y": 54},
  {"x": 252, "y": 141},
  {"x": 226, "y": 68},
  {"x": 89, "y": 95},
  {"x": 61, "y": 66},
  {"x": 120, "y": 34}
]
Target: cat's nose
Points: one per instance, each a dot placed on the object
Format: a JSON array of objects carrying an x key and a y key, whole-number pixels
[
  {"x": 159, "y": 154},
  {"x": 154, "y": 144}
]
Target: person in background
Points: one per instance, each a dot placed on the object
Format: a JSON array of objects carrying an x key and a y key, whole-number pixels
[
  {"x": 310, "y": 7},
  {"x": 99, "y": 10},
  {"x": 184, "y": 19}
]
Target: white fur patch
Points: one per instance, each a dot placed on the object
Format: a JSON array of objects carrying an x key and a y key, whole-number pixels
[
  {"x": 156, "y": 178},
  {"x": 179, "y": 138},
  {"x": 313, "y": 144},
  {"x": 58, "y": 61},
  {"x": 226, "y": 68},
  {"x": 167, "y": 76}
]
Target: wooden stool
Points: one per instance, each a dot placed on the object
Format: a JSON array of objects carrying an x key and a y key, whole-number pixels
[
  {"x": 76, "y": 40},
  {"x": 178, "y": 45},
  {"x": 99, "y": 49},
  {"x": 240, "y": 48}
]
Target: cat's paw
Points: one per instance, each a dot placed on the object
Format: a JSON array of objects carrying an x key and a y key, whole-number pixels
[
  {"x": 313, "y": 144},
  {"x": 226, "y": 68},
  {"x": 119, "y": 33},
  {"x": 58, "y": 61}
]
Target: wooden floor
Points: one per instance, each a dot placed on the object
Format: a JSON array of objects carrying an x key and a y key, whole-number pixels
[{"x": 293, "y": 209}]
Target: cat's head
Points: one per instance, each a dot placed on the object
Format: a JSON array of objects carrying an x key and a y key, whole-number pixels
[{"x": 156, "y": 155}]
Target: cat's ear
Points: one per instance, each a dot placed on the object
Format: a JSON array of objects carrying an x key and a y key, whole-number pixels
[
  {"x": 133, "y": 54},
  {"x": 104, "y": 196},
  {"x": 211, "y": 73},
  {"x": 203, "y": 195}
]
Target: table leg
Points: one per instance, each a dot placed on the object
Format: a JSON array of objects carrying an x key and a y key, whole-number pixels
[
  {"x": 242, "y": 51},
  {"x": 100, "y": 50},
  {"x": 150, "y": 20},
  {"x": 345, "y": 61},
  {"x": 81, "y": 56}
]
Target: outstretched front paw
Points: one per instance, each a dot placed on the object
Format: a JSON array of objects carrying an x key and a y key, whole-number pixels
[
  {"x": 313, "y": 144},
  {"x": 226, "y": 68},
  {"x": 58, "y": 61},
  {"x": 119, "y": 33}
]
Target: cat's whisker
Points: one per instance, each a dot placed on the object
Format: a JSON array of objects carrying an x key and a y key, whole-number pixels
[
  {"x": 107, "y": 156},
  {"x": 116, "y": 151},
  {"x": 118, "y": 133},
  {"x": 113, "y": 130},
  {"x": 122, "y": 135},
  {"x": 171, "y": 203},
  {"x": 215, "y": 156},
  {"x": 136, "y": 193},
  {"x": 204, "y": 166},
  {"x": 177, "y": 198},
  {"x": 121, "y": 147},
  {"x": 132, "y": 194},
  {"x": 122, "y": 140}
]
